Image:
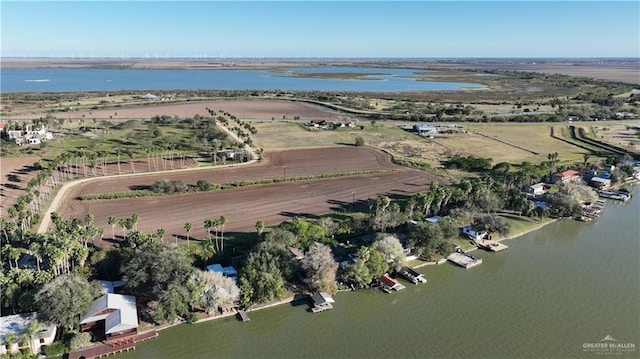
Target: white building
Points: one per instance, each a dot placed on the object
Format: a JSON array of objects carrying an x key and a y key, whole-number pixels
[
  {"x": 117, "y": 312},
  {"x": 29, "y": 136},
  {"x": 17, "y": 324}
]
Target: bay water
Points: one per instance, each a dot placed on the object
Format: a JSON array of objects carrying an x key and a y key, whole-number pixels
[{"x": 95, "y": 79}]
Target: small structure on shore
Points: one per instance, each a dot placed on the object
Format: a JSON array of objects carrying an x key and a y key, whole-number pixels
[
  {"x": 472, "y": 233},
  {"x": 492, "y": 246},
  {"x": 322, "y": 301},
  {"x": 244, "y": 316},
  {"x": 412, "y": 275},
  {"x": 388, "y": 284},
  {"x": 464, "y": 260}
]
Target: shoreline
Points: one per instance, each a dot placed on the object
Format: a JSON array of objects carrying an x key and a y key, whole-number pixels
[{"x": 291, "y": 298}]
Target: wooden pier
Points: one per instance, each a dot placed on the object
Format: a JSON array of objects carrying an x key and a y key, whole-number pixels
[
  {"x": 464, "y": 260},
  {"x": 244, "y": 316},
  {"x": 113, "y": 347},
  {"x": 492, "y": 246}
]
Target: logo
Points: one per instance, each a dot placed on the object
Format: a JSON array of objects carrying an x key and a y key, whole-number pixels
[{"x": 608, "y": 346}]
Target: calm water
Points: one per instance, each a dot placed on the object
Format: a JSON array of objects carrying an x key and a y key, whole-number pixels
[
  {"x": 69, "y": 80},
  {"x": 553, "y": 290}
]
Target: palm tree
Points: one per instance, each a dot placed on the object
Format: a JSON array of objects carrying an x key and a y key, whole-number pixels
[
  {"x": 259, "y": 227},
  {"x": 160, "y": 235},
  {"x": 36, "y": 251},
  {"x": 30, "y": 332},
  {"x": 12, "y": 254},
  {"x": 187, "y": 227},
  {"x": 113, "y": 221},
  {"x": 10, "y": 339},
  {"x": 222, "y": 221},
  {"x": 135, "y": 218},
  {"x": 207, "y": 226},
  {"x": 122, "y": 222}
]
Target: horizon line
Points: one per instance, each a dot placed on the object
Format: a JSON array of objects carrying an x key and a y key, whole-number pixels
[{"x": 159, "y": 58}]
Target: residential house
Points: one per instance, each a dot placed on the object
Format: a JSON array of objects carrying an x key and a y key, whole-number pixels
[
  {"x": 17, "y": 324},
  {"x": 600, "y": 182},
  {"x": 29, "y": 136},
  {"x": 111, "y": 316},
  {"x": 536, "y": 189},
  {"x": 566, "y": 176},
  {"x": 473, "y": 233},
  {"x": 433, "y": 220},
  {"x": 426, "y": 129}
]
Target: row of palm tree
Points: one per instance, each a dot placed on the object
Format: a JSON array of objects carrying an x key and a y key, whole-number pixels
[{"x": 218, "y": 227}]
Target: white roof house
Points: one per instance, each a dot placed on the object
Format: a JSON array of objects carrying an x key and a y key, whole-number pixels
[
  {"x": 118, "y": 312},
  {"x": 17, "y": 324}
]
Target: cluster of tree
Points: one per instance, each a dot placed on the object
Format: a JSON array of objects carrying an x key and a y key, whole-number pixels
[
  {"x": 167, "y": 186},
  {"x": 468, "y": 163}
]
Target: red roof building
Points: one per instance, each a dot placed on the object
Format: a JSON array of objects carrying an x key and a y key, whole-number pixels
[{"x": 565, "y": 176}]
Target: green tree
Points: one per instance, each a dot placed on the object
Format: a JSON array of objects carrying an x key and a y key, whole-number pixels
[
  {"x": 159, "y": 274},
  {"x": 64, "y": 300},
  {"x": 359, "y": 141},
  {"x": 261, "y": 279}
]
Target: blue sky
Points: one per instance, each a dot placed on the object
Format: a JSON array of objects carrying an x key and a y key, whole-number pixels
[{"x": 321, "y": 29}]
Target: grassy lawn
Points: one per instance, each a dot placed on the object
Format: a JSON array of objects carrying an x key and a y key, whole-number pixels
[
  {"x": 520, "y": 225},
  {"x": 282, "y": 135}
]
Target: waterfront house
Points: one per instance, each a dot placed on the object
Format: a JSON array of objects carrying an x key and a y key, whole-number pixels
[
  {"x": 566, "y": 176},
  {"x": 600, "y": 182},
  {"x": 388, "y": 284},
  {"x": 229, "y": 271},
  {"x": 17, "y": 325},
  {"x": 111, "y": 316},
  {"x": 472, "y": 233}
]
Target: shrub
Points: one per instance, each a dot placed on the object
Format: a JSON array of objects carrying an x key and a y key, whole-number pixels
[
  {"x": 55, "y": 349},
  {"x": 359, "y": 141}
]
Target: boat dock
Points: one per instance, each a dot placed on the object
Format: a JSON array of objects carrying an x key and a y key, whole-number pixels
[
  {"x": 388, "y": 284},
  {"x": 492, "y": 246},
  {"x": 412, "y": 275},
  {"x": 321, "y": 301},
  {"x": 244, "y": 316},
  {"x": 464, "y": 260},
  {"x": 618, "y": 196},
  {"x": 113, "y": 347}
]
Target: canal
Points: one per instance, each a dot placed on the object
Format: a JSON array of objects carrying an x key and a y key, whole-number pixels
[{"x": 551, "y": 294}]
